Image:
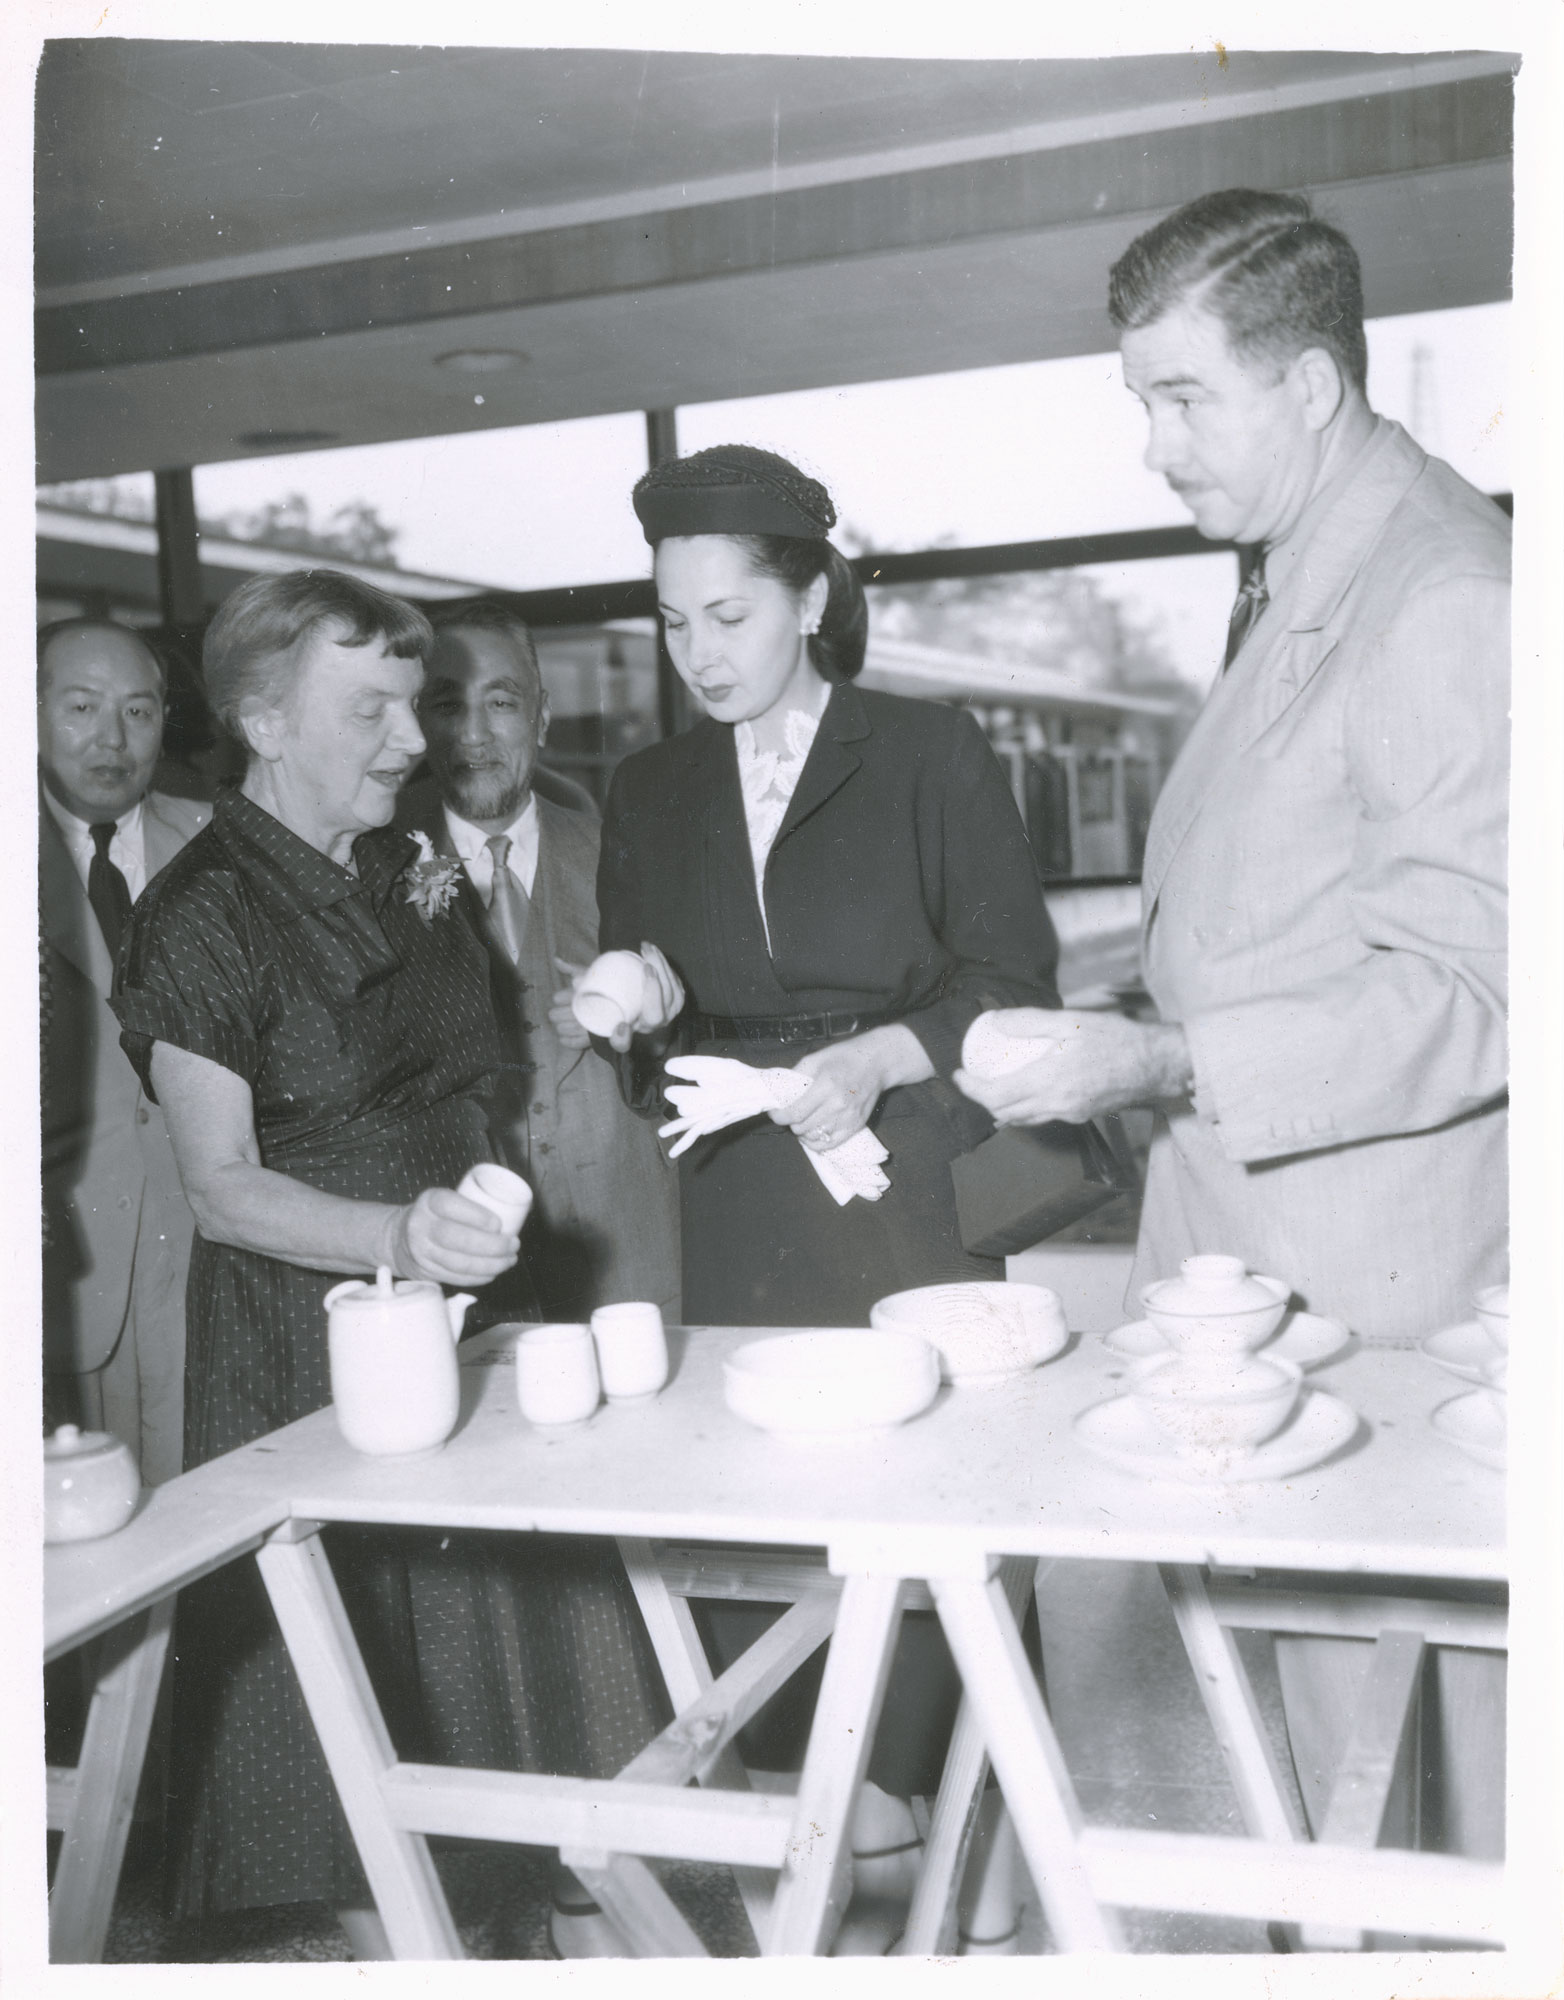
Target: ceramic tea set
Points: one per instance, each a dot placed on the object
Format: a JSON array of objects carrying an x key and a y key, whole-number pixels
[
  {"x": 1478, "y": 1351},
  {"x": 1204, "y": 1402}
]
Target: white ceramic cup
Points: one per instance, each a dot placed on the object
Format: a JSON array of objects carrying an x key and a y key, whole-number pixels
[
  {"x": 610, "y": 992},
  {"x": 632, "y": 1350},
  {"x": 556, "y": 1374},
  {"x": 500, "y": 1191}
]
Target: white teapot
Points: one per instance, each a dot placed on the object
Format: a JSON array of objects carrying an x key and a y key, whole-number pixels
[{"x": 394, "y": 1379}]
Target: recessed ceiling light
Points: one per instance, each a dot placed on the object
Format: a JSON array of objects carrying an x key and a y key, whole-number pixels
[
  {"x": 283, "y": 440},
  {"x": 481, "y": 360}
]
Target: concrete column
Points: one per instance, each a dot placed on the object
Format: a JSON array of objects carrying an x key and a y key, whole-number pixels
[{"x": 180, "y": 595}]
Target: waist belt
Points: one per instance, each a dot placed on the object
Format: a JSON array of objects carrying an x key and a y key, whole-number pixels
[{"x": 786, "y": 1027}]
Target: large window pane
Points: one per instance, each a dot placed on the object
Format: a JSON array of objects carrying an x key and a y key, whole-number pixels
[
  {"x": 526, "y": 508},
  {"x": 1085, "y": 682},
  {"x": 1053, "y": 448},
  {"x": 602, "y": 690}
]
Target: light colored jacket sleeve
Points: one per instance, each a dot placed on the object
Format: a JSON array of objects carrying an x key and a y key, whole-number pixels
[{"x": 1412, "y": 1033}]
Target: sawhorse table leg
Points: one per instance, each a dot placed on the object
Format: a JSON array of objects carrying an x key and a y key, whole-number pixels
[
  {"x": 931, "y": 1922},
  {"x": 92, "y": 1805},
  {"x": 998, "y": 1678},
  {"x": 355, "y": 1742}
]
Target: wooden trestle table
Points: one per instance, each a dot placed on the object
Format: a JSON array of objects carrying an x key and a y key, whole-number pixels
[{"x": 958, "y": 1507}]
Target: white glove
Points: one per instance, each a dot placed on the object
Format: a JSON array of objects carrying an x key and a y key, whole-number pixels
[{"x": 721, "y": 1091}]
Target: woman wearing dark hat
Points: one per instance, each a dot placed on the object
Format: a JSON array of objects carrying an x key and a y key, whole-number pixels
[{"x": 837, "y": 882}]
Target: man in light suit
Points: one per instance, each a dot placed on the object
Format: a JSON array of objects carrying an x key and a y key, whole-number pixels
[
  {"x": 1324, "y": 883},
  {"x": 605, "y": 1225},
  {"x": 117, "y": 1227}
]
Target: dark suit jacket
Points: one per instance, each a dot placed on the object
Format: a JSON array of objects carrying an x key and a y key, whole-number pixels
[
  {"x": 108, "y": 1169},
  {"x": 605, "y": 1225},
  {"x": 900, "y": 881}
]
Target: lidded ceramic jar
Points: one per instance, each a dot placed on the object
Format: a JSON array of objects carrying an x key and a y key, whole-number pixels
[
  {"x": 1215, "y": 1309},
  {"x": 91, "y": 1485}
]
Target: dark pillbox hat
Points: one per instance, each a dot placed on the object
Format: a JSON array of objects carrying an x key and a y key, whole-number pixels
[{"x": 731, "y": 489}]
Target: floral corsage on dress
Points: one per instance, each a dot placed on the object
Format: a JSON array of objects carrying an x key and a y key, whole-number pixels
[{"x": 432, "y": 880}]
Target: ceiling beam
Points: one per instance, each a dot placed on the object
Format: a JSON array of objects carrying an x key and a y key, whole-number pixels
[{"x": 1314, "y": 146}]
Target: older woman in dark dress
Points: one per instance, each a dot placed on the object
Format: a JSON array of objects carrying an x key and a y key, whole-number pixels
[{"x": 321, "y": 1037}]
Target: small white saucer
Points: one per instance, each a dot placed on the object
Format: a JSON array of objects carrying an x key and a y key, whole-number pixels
[
  {"x": 1120, "y": 1431},
  {"x": 1474, "y": 1424},
  {"x": 1463, "y": 1350},
  {"x": 1304, "y": 1337}
]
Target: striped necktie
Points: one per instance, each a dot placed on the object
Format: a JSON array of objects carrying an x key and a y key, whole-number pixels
[
  {"x": 509, "y": 906},
  {"x": 107, "y": 890},
  {"x": 1251, "y": 600}
]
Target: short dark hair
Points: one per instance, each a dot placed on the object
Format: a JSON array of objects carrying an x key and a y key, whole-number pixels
[
  {"x": 1278, "y": 278},
  {"x": 486, "y": 614},
  {"x": 47, "y": 634},
  {"x": 254, "y": 645}
]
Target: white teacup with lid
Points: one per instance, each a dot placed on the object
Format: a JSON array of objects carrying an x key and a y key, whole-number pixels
[
  {"x": 91, "y": 1485},
  {"x": 1215, "y": 1308}
]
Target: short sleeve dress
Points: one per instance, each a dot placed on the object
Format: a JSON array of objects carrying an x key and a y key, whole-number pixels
[{"x": 366, "y": 1034}]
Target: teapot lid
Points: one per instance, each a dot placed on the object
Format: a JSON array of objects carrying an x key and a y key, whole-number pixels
[
  {"x": 71, "y": 1441},
  {"x": 1212, "y": 1283},
  {"x": 379, "y": 1290}
]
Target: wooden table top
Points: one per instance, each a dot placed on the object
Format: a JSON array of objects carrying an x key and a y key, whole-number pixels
[{"x": 985, "y": 1470}]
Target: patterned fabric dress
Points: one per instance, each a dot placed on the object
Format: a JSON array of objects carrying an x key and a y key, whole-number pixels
[{"x": 367, "y": 1038}]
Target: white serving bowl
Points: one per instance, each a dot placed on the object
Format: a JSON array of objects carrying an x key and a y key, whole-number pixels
[
  {"x": 831, "y": 1382},
  {"x": 1204, "y": 1411},
  {"x": 982, "y": 1330},
  {"x": 1492, "y": 1305},
  {"x": 1215, "y": 1332}
]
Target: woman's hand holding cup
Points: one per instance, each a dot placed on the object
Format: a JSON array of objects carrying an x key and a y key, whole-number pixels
[
  {"x": 625, "y": 993},
  {"x": 450, "y": 1239}
]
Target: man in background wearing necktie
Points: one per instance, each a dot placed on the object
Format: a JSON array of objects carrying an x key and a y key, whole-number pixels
[
  {"x": 1323, "y": 894},
  {"x": 604, "y": 1227},
  {"x": 117, "y": 1227}
]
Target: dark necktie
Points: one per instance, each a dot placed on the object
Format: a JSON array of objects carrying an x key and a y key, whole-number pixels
[
  {"x": 1251, "y": 600},
  {"x": 508, "y": 904},
  {"x": 107, "y": 890}
]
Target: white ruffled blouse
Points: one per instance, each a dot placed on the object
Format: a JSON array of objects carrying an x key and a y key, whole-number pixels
[{"x": 768, "y": 780}]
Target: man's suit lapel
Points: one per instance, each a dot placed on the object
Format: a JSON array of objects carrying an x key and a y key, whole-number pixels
[
  {"x": 1289, "y": 645},
  {"x": 63, "y": 910},
  {"x": 567, "y": 894}
]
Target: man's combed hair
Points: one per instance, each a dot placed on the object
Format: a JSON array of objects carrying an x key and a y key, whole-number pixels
[
  {"x": 1277, "y": 278},
  {"x": 47, "y": 634}
]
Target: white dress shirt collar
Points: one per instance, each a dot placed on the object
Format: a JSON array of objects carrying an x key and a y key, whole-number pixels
[
  {"x": 127, "y": 850},
  {"x": 472, "y": 844}
]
